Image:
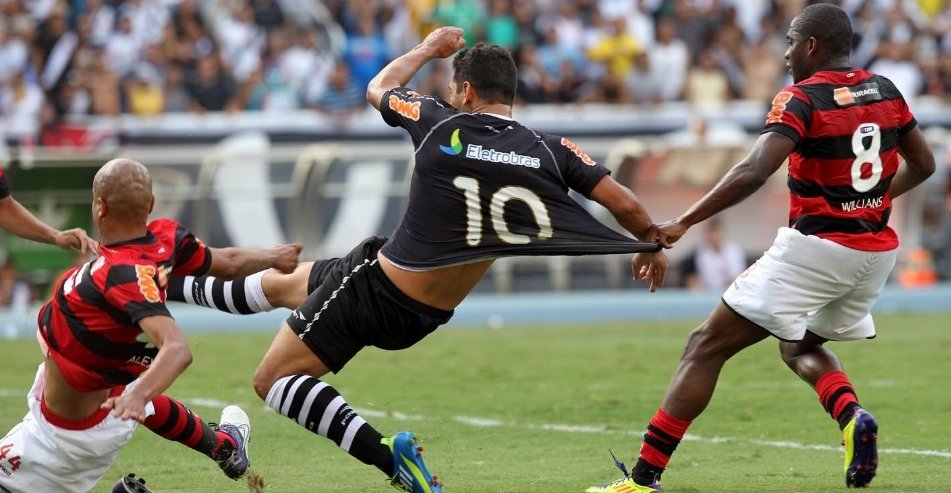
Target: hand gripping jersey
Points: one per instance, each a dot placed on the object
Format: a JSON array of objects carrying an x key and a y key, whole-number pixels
[
  {"x": 484, "y": 186},
  {"x": 91, "y": 322},
  {"x": 846, "y": 124}
]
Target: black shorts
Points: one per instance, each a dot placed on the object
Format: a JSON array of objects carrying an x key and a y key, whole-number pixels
[{"x": 352, "y": 304}]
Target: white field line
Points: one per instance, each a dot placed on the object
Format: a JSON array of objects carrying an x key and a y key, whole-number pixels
[{"x": 480, "y": 422}]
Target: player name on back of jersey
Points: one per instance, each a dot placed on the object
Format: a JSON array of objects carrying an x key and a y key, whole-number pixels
[
  {"x": 476, "y": 151},
  {"x": 869, "y": 203}
]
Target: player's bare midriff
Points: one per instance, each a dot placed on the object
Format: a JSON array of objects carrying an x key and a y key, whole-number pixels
[
  {"x": 65, "y": 401},
  {"x": 441, "y": 288}
]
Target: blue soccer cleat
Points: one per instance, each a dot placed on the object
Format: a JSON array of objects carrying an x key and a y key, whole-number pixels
[
  {"x": 409, "y": 471},
  {"x": 234, "y": 461},
  {"x": 861, "y": 450}
]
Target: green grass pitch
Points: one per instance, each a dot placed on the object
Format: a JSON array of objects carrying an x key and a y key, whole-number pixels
[{"x": 535, "y": 409}]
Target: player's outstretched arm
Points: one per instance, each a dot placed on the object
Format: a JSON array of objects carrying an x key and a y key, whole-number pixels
[
  {"x": 172, "y": 359},
  {"x": 441, "y": 43},
  {"x": 625, "y": 207},
  {"x": 767, "y": 155},
  {"x": 232, "y": 262},
  {"x": 919, "y": 162},
  {"x": 18, "y": 220}
]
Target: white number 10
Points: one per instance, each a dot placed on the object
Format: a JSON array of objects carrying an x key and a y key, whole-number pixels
[{"x": 470, "y": 187}]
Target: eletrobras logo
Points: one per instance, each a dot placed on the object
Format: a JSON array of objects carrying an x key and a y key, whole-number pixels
[{"x": 476, "y": 151}]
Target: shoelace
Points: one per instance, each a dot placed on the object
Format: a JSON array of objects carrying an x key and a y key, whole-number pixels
[{"x": 619, "y": 464}]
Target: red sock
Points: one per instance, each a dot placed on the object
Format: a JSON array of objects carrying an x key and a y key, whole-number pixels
[
  {"x": 173, "y": 421},
  {"x": 663, "y": 435},
  {"x": 837, "y": 395}
]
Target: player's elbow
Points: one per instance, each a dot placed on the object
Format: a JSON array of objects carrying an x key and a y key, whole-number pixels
[{"x": 185, "y": 356}]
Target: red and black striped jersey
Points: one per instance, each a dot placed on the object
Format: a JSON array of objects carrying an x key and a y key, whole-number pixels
[
  {"x": 91, "y": 322},
  {"x": 846, "y": 125},
  {"x": 4, "y": 186}
]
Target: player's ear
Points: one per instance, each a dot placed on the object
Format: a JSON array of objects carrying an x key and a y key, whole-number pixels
[
  {"x": 468, "y": 93},
  {"x": 812, "y": 46},
  {"x": 101, "y": 208},
  {"x": 151, "y": 204}
]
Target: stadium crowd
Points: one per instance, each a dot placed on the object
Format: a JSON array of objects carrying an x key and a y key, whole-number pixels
[{"x": 145, "y": 57}]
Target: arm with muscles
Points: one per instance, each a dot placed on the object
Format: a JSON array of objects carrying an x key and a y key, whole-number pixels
[
  {"x": 768, "y": 154},
  {"x": 18, "y": 220},
  {"x": 441, "y": 43},
  {"x": 623, "y": 204},
  {"x": 172, "y": 359},
  {"x": 233, "y": 262},
  {"x": 919, "y": 162}
]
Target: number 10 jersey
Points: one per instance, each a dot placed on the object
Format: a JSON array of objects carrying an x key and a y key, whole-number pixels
[{"x": 484, "y": 186}]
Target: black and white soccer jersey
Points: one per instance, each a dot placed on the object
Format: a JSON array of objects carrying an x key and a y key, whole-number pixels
[{"x": 485, "y": 186}]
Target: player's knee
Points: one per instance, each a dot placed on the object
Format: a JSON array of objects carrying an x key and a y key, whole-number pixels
[{"x": 263, "y": 380}]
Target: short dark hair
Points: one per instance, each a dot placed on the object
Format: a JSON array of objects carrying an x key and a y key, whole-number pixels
[
  {"x": 827, "y": 23},
  {"x": 490, "y": 69}
]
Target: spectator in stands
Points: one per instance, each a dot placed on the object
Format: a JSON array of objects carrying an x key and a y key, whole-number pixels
[
  {"x": 366, "y": 52},
  {"x": 344, "y": 96},
  {"x": 122, "y": 49},
  {"x": 210, "y": 88},
  {"x": 102, "y": 17},
  {"x": 616, "y": 50},
  {"x": 707, "y": 84},
  {"x": 305, "y": 66},
  {"x": 14, "y": 54},
  {"x": 762, "y": 70},
  {"x": 21, "y": 99},
  {"x": 500, "y": 27},
  {"x": 14, "y": 292},
  {"x": 176, "y": 95},
  {"x": 143, "y": 92},
  {"x": 641, "y": 82},
  {"x": 534, "y": 84},
  {"x": 669, "y": 61},
  {"x": 714, "y": 263},
  {"x": 103, "y": 87},
  {"x": 268, "y": 14},
  {"x": 895, "y": 64},
  {"x": 241, "y": 41},
  {"x": 465, "y": 14}
]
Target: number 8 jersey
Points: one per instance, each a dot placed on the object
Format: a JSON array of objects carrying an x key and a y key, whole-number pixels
[
  {"x": 485, "y": 186},
  {"x": 846, "y": 125},
  {"x": 91, "y": 323}
]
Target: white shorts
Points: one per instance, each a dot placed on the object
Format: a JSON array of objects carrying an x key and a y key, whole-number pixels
[
  {"x": 804, "y": 283},
  {"x": 41, "y": 457}
]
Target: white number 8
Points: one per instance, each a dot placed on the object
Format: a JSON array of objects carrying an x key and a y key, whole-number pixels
[{"x": 868, "y": 155}]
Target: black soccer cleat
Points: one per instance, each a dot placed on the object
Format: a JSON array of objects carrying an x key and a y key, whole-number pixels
[{"x": 131, "y": 484}]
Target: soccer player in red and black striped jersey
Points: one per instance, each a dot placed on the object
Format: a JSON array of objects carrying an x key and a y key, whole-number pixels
[
  {"x": 112, "y": 347},
  {"x": 18, "y": 220},
  {"x": 843, "y": 130}
]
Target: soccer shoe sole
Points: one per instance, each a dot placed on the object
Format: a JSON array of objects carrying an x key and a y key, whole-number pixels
[
  {"x": 625, "y": 485},
  {"x": 861, "y": 437},
  {"x": 235, "y": 422}
]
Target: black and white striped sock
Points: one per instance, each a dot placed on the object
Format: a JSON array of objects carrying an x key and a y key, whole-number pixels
[
  {"x": 244, "y": 295},
  {"x": 317, "y": 406}
]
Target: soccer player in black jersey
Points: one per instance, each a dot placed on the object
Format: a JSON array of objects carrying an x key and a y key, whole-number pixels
[
  {"x": 484, "y": 187},
  {"x": 842, "y": 129},
  {"x": 18, "y": 220}
]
